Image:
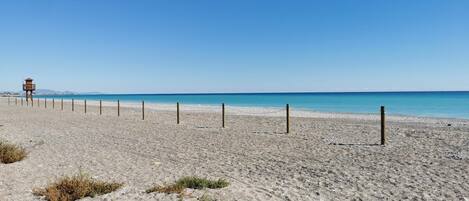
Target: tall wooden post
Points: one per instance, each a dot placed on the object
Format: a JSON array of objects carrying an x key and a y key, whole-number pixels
[
  {"x": 73, "y": 105},
  {"x": 223, "y": 115},
  {"x": 143, "y": 110},
  {"x": 62, "y": 104},
  {"x": 288, "y": 118},
  {"x": 177, "y": 112},
  {"x": 53, "y": 103},
  {"x": 118, "y": 108},
  {"x": 45, "y": 102},
  {"x": 383, "y": 127},
  {"x": 85, "y": 106},
  {"x": 100, "y": 107}
]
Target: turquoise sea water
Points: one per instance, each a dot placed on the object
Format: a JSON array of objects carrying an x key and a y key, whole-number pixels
[{"x": 429, "y": 104}]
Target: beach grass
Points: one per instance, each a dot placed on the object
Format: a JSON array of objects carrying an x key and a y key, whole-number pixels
[
  {"x": 10, "y": 153},
  {"x": 189, "y": 182},
  {"x": 76, "y": 187}
]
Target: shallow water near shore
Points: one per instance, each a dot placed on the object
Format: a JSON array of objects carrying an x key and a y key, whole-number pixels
[{"x": 428, "y": 104}]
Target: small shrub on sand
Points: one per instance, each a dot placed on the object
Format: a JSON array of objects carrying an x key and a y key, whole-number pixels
[
  {"x": 10, "y": 153},
  {"x": 76, "y": 187},
  {"x": 189, "y": 182}
]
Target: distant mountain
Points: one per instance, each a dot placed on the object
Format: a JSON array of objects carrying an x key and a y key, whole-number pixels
[
  {"x": 54, "y": 92},
  {"x": 8, "y": 93}
]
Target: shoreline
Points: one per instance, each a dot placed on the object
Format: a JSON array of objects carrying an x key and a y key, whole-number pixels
[{"x": 257, "y": 111}]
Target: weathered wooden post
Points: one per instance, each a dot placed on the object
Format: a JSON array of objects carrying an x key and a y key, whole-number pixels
[
  {"x": 100, "y": 107},
  {"x": 223, "y": 115},
  {"x": 73, "y": 105},
  {"x": 118, "y": 108},
  {"x": 383, "y": 127},
  {"x": 45, "y": 102},
  {"x": 177, "y": 112},
  {"x": 85, "y": 106},
  {"x": 62, "y": 104},
  {"x": 143, "y": 110},
  {"x": 53, "y": 103},
  {"x": 288, "y": 118}
]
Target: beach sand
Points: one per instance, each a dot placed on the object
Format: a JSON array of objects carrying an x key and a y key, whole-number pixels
[{"x": 326, "y": 156}]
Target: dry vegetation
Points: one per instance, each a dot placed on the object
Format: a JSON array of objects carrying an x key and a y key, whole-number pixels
[
  {"x": 10, "y": 153},
  {"x": 189, "y": 182},
  {"x": 76, "y": 187}
]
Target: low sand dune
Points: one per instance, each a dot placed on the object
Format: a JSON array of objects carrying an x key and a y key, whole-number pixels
[{"x": 325, "y": 157}]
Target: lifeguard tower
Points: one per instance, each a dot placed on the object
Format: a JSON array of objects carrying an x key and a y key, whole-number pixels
[{"x": 29, "y": 88}]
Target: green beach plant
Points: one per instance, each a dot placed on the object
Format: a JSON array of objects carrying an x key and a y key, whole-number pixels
[{"x": 189, "y": 182}]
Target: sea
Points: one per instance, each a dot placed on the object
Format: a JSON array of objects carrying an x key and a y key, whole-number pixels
[{"x": 454, "y": 104}]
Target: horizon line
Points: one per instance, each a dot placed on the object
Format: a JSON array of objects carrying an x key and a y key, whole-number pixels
[{"x": 249, "y": 93}]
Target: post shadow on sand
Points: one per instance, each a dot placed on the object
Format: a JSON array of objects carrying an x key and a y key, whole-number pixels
[{"x": 355, "y": 144}]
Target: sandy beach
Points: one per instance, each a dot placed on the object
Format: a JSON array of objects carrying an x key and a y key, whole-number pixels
[{"x": 326, "y": 156}]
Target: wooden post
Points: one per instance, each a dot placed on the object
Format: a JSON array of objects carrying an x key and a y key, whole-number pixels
[
  {"x": 100, "y": 107},
  {"x": 53, "y": 103},
  {"x": 177, "y": 112},
  {"x": 223, "y": 115},
  {"x": 62, "y": 104},
  {"x": 73, "y": 105},
  {"x": 383, "y": 127},
  {"x": 143, "y": 110},
  {"x": 45, "y": 102},
  {"x": 288, "y": 118},
  {"x": 85, "y": 106},
  {"x": 118, "y": 108}
]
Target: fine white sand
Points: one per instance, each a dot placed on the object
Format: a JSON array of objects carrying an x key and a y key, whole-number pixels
[{"x": 326, "y": 156}]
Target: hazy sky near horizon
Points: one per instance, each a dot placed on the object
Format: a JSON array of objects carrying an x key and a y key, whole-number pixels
[{"x": 175, "y": 46}]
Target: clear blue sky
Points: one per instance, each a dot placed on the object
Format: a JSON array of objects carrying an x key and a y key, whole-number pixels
[{"x": 235, "y": 46}]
